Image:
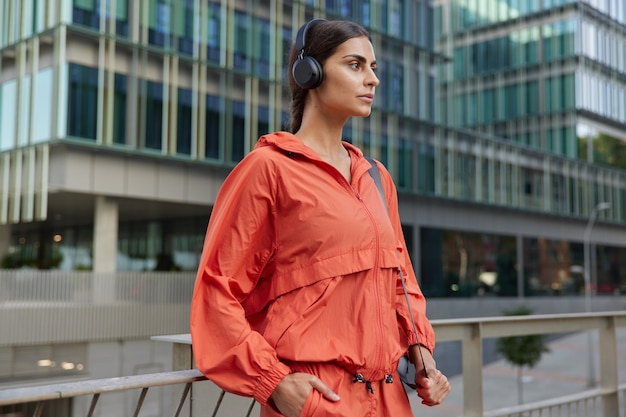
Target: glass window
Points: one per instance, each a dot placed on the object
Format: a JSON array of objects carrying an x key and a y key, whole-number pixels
[
  {"x": 611, "y": 270},
  {"x": 365, "y": 13},
  {"x": 8, "y": 114},
  {"x": 82, "y": 103},
  {"x": 367, "y": 139},
  {"x": 345, "y": 8},
  {"x": 432, "y": 85},
  {"x": 489, "y": 105},
  {"x": 4, "y": 27},
  {"x": 22, "y": 136},
  {"x": 465, "y": 173},
  {"x": 608, "y": 150},
  {"x": 56, "y": 249},
  {"x": 160, "y": 20},
  {"x": 552, "y": 267},
  {"x": 511, "y": 100},
  {"x": 348, "y": 134},
  {"x": 241, "y": 40},
  {"x": 42, "y": 116},
  {"x": 330, "y": 5},
  {"x": 459, "y": 62},
  {"x": 468, "y": 14},
  {"x": 549, "y": 90},
  {"x": 384, "y": 149},
  {"x": 548, "y": 37},
  {"x": 185, "y": 25},
  {"x": 286, "y": 45},
  {"x": 404, "y": 156},
  {"x": 514, "y": 49},
  {"x": 532, "y": 98},
  {"x": 383, "y": 24},
  {"x": 137, "y": 247},
  {"x": 214, "y": 28},
  {"x": 263, "y": 120},
  {"x": 471, "y": 109},
  {"x": 87, "y": 13},
  {"x": 427, "y": 27},
  {"x": 426, "y": 168},
  {"x": 459, "y": 110},
  {"x": 559, "y": 196},
  {"x": 531, "y": 37},
  {"x": 183, "y": 122},
  {"x": 396, "y": 87},
  {"x": 383, "y": 75},
  {"x": 396, "y": 17},
  {"x": 569, "y": 147},
  {"x": 462, "y": 264},
  {"x": 568, "y": 38},
  {"x": 213, "y": 122},
  {"x": 261, "y": 51},
  {"x": 532, "y": 183},
  {"x": 153, "y": 115},
  {"x": 119, "y": 109},
  {"x": 238, "y": 128},
  {"x": 84, "y": 13}
]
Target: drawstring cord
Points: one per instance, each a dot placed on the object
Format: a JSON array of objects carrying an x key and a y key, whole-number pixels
[{"x": 368, "y": 384}]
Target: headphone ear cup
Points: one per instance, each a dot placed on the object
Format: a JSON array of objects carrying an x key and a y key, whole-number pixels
[{"x": 307, "y": 73}]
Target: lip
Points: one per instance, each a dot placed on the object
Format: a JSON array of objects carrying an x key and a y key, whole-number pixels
[{"x": 367, "y": 97}]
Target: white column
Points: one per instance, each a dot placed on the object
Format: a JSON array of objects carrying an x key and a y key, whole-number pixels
[{"x": 105, "y": 232}]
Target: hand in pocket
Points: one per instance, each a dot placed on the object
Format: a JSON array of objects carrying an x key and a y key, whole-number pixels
[{"x": 291, "y": 393}]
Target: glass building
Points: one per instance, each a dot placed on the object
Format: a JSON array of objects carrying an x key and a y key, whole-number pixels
[
  {"x": 501, "y": 121},
  {"x": 533, "y": 104}
]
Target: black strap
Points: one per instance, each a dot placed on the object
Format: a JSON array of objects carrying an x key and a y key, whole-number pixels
[{"x": 375, "y": 173}]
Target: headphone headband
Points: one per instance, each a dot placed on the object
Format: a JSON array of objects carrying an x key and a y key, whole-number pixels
[{"x": 301, "y": 37}]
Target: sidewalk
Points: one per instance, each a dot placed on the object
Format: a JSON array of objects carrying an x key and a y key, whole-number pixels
[{"x": 561, "y": 371}]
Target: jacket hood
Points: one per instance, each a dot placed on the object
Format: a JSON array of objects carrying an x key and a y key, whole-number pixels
[{"x": 288, "y": 142}]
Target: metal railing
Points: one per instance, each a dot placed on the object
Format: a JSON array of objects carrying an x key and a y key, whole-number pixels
[
  {"x": 24, "y": 287},
  {"x": 48, "y": 307},
  {"x": 606, "y": 400}
]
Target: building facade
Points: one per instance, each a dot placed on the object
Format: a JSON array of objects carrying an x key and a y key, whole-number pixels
[
  {"x": 502, "y": 123},
  {"x": 546, "y": 78}
]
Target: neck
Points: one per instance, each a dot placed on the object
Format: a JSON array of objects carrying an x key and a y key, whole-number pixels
[{"x": 323, "y": 136}]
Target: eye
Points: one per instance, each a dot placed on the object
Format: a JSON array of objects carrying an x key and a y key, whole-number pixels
[{"x": 355, "y": 65}]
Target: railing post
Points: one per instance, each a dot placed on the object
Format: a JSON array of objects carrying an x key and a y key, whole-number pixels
[
  {"x": 182, "y": 359},
  {"x": 609, "y": 367},
  {"x": 472, "y": 358}
]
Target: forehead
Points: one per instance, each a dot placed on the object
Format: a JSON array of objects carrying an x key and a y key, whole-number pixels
[{"x": 360, "y": 46}]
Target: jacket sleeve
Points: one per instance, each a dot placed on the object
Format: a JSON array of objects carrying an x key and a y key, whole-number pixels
[
  {"x": 239, "y": 243},
  {"x": 426, "y": 334}
]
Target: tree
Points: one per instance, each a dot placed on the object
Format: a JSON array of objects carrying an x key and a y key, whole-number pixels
[{"x": 521, "y": 351}]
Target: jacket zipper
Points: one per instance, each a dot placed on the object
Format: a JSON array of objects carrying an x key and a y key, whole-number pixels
[
  {"x": 377, "y": 363},
  {"x": 376, "y": 283}
]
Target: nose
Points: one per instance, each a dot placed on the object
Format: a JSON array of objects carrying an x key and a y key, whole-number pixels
[{"x": 372, "y": 79}]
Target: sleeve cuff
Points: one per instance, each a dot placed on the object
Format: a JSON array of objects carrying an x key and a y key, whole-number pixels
[
  {"x": 422, "y": 341},
  {"x": 268, "y": 382}
]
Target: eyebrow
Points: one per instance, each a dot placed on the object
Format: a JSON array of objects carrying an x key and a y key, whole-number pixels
[{"x": 359, "y": 58}]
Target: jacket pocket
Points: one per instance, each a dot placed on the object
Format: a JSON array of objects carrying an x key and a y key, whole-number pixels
[{"x": 311, "y": 403}]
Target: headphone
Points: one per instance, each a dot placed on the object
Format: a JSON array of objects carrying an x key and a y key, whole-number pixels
[{"x": 306, "y": 70}]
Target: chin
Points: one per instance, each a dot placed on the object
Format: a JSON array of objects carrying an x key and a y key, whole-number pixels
[{"x": 363, "y": 112}]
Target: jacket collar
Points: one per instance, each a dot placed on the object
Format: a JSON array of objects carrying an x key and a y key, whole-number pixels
[{"x": 288, "y": 142}]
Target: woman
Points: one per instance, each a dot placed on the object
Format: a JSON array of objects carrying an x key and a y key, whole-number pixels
[{"x": 298, "y": 301}]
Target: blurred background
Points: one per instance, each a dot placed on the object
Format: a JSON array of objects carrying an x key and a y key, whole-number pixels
[{"x": 503, "y": 123}]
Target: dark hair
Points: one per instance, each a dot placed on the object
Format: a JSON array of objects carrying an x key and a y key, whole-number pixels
[{"x": 321, "y": 42}]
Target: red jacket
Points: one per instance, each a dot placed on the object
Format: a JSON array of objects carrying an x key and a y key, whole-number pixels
[{"x": 299, "y": 265}]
